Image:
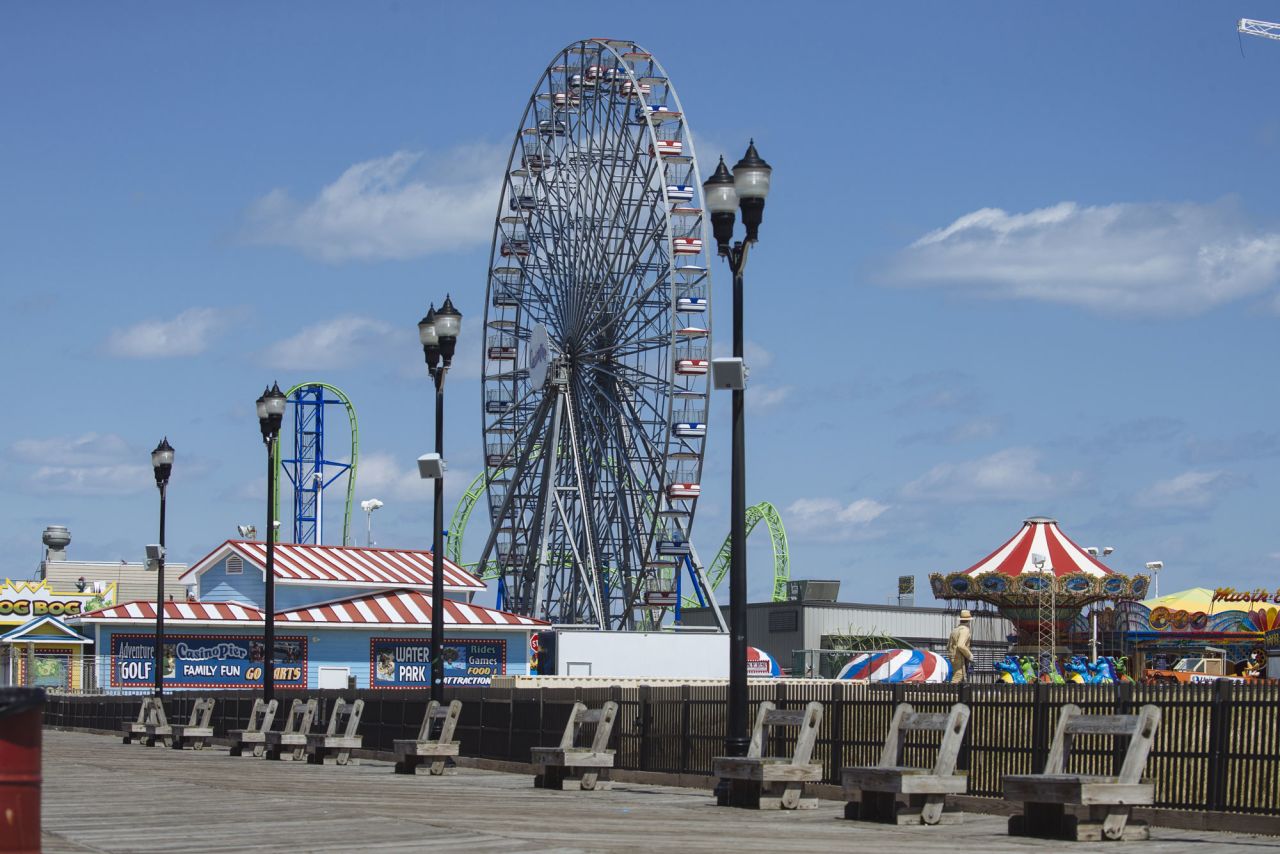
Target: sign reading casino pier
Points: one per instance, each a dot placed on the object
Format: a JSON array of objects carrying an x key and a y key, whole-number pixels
[
  {"x": 206, "y": 661},
  {"x": 406, "y": 662}
]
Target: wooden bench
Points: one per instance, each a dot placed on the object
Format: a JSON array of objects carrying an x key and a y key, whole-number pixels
[
  {"x": 297, "y": 727},
  {"x": 584, "y": 768},
  {"x": 198, "y": 730},
  {"x": 410, "y": 752},
  {"x": 150, "y": 712},
  {"x": 260, "y": 720},
  {"x": 894, "y": 793},
  {"x": 756, "y": 781},
  {"x": 1107, "y": 801},
  {"x": 345, "y": 717}
]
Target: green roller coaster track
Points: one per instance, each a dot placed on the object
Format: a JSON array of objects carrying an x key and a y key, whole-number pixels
[
  {"x": 762, "y": 512},
  {"x": 355, "y": 454}
]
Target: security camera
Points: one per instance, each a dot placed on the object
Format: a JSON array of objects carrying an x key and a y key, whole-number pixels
[{"x": 1155, "y": 565}]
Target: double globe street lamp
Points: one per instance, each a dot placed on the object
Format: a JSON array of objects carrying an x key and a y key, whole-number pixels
[
  {"x": 162, "y": 465},
  {"x": 270, "y": 416},
  {"x": 438, "y": 332},
  {"x": 724, "y": 193}
]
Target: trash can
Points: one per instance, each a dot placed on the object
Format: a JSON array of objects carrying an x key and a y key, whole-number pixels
[{"x": 21, "y": 718}]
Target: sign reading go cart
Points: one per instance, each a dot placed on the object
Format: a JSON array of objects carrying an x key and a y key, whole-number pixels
[{"x": 21, "y": 601}]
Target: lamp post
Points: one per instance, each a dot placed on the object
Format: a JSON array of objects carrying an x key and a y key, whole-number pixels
[
  {"x": 745, "y": 188},
  {"x": 368, "y": 506},
  {"x": 1095, "y": 552},
  {"x": 270, "y": 416},
  {"x": 162, "y": 465},
  {"x": 438, "y": 332}
]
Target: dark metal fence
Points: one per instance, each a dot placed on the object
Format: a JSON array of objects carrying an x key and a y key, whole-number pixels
[{"x": 1218, "y": 747}]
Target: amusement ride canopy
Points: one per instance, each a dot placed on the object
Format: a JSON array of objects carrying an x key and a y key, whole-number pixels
[{"x": 1010, "y": 579}]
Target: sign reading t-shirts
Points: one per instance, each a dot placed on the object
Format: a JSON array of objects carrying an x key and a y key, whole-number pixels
[
  {"x": 406, "y": 662},
  {"x": 206, "y": 661}
]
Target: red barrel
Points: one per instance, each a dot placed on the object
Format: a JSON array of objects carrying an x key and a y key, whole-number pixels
[{"x": 21, "y": 713}]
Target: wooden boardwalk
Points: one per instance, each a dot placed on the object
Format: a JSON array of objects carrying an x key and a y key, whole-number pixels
[{"x": 104, "y": 796}]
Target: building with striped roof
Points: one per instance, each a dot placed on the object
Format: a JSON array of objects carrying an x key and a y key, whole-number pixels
[{"x": 344, "y": 616}]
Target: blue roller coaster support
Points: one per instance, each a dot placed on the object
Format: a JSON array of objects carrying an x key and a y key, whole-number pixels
[{"x": 309, "y": 470}]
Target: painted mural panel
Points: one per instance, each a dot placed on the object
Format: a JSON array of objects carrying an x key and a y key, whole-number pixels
[
  {"x": 206, "y": 661},
  {"x": 406, "y": 662}
]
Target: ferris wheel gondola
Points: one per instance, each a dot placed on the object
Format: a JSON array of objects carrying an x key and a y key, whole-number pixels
[{"x": 598, "y": 290}]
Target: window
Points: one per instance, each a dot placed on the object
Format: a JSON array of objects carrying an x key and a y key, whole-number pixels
[
  {"x": 784, "y": 621},
  {"x": 235, "y": 565}
]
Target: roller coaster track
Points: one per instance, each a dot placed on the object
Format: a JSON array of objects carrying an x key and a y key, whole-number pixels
[
  {"x": 762, "y": 512},
  {"x": 355, "y": 454},
  {"x": 756, "y": 513}
]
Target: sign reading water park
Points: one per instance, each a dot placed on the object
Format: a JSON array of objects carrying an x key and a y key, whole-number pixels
[
  {"x": 206, "y": 661},
  {"x": 21, "y": 601},
  {"x": 406, "y": 662}
]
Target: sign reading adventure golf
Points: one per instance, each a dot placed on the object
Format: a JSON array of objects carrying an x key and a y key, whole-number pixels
[
  {"x": 406, "y": 662},
  {"x": 206, "y": 661}
]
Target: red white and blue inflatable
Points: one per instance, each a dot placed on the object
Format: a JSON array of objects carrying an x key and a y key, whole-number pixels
[
  {"x": 897, "y": 665},
  {"x": 760, "y": 663}
]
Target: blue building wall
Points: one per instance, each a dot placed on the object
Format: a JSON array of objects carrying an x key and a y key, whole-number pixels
[{"x": 325, "y": 647}]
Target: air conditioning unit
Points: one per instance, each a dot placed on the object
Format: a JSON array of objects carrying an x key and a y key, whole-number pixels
[{"x": 813, "y": 591}]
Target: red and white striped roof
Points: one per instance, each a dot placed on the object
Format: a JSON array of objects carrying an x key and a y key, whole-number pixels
[
  {"x": 1039, "y": 536},
  {"x": 404, "y": 608},
  {"x": 190, "y": 612},
  {"x": 343, "y": 566}
]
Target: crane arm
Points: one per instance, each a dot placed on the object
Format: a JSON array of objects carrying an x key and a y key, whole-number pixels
[{"x": 1266, "y": 29}]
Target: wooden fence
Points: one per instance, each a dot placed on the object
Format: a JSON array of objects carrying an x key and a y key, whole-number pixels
[{"x": 1218, "y": 747}]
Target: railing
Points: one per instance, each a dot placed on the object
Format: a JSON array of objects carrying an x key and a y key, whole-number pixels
[{"x": 1218, "y": 746}]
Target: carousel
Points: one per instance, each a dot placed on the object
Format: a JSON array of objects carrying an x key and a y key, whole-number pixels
[{"x": 1039, "y": 580}]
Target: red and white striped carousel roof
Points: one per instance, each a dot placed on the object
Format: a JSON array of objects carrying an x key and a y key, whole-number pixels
[
  {"x": 201, "y": 612},
  {"x": 343, "y": 566},
  {"x": 1039, "y": 536},
  {"x": 404, "y": 608}
]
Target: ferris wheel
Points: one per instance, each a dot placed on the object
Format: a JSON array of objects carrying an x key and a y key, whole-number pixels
[{"x": 597, "y": 325}]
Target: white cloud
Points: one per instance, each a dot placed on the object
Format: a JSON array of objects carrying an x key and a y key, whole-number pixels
[
  {"x": 405, "y": 205},
  {"x": 188, "y": 334},
  {"x": 1148, "y": 258},
  {"x": 92, "y": 480},
  {"x": 88, "y": 450},
  {"x": 338, "y": 343},
  {"x": 829, "y": 519},
  {"x": 1189, "y": 490},
  {"x": 763, "y": 398},
  {"x": 92, "y": 464},
  {"x": 1008, "y": 475}
]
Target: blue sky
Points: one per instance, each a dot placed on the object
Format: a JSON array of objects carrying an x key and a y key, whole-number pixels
[{"x": 1019, "y": 259}]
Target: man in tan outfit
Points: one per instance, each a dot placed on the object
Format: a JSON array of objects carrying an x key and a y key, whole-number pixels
[{"x": 958, "y": 648}]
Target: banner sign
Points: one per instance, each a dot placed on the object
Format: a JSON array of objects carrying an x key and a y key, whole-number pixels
[
  {"x": 1261, "y": 594},
  {"x": 406, "y": 662},
  {"x": 206, "y": 661},
  {"x": 21, "y": 601}
]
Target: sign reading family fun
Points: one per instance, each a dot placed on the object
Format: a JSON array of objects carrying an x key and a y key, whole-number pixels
[
  {"x": 206, "y": 661},
  {"x": 406, "y": 662}
]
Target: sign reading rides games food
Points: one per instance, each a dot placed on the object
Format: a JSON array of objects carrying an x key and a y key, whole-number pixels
[
  {"x": 206, "y": 661},
  {"x": 406, "y": 662}
]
